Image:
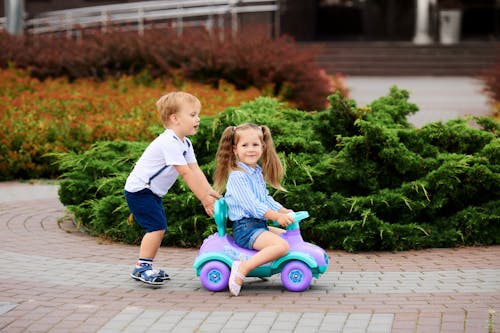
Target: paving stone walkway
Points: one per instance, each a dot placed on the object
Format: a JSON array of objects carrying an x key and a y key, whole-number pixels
[
  {"x": 438, "y": 98},
  {"x": 55, "y": 279}
]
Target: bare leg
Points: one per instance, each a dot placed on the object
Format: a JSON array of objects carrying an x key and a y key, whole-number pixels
[
  {"x": 277, "y": 231},
  {"x": 150, "y": 244},
  {"x": 270, "y": 247}
]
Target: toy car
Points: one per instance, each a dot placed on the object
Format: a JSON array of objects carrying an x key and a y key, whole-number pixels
[{"x": 297, "y": 267}]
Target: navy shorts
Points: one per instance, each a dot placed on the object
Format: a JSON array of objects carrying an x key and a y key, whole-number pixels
[
  {"x": 246, "y": 231},
  {"x": 147, "y": 209}
]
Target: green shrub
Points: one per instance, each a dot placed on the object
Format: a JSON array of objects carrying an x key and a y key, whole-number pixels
[
  {"x": 92, "y": 188},
  {"x": 370, "y": 180}
]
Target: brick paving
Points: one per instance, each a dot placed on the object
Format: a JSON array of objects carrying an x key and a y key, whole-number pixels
[{"x": 64, "y": 281}]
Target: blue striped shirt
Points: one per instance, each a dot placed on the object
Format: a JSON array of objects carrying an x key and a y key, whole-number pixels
[{"x": 247, "y": 195}]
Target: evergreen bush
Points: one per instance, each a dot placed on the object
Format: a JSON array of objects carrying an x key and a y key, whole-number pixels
[{"x": 370, "y": 180}]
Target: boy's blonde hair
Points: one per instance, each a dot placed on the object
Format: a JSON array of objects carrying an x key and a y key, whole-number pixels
[
  {"x": 272, "y": 169},
  {"x": 171, "y": 103}
]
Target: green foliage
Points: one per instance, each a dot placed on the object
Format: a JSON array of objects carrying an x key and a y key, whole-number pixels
[
  {"x": 369, "y": 179},
  {"x": 92, "y": 188}
]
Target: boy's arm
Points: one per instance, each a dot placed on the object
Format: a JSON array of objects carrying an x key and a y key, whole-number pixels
[
  {"x": 202, "y": 178},
  {"x": 198, "y": 183}
]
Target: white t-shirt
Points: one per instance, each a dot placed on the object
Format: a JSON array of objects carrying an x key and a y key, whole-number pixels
[{"x": 166, "y": 149}]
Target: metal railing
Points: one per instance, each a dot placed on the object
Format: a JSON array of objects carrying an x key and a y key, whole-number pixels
[{"x": 136, "y": 15}]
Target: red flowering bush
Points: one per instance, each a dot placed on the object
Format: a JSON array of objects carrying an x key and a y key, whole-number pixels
[
  {"x": 492, "y": 87},
  {"x": 250, "y": 59}
]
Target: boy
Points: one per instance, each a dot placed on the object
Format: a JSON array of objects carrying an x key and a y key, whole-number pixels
[{"x": 171, "y": 154}]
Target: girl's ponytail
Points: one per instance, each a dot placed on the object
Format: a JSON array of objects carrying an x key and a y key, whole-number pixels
[
  {"x": 272, "y": 168},
  {"x": 224, "y": 159}
]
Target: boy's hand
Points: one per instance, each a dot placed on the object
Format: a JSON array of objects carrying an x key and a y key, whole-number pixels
[
  {"x": 209, "y": 207},
  {"x": 214, "y": 194},
  {"x": 209, "y": 200}
]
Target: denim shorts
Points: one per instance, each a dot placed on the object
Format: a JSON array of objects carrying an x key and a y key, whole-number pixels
[
  {"x": 246, "y": 231},
  {"x": 147, "y": 209}
]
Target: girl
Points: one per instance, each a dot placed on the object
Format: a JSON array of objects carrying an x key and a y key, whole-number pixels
[{"x": 246, "y": 161}]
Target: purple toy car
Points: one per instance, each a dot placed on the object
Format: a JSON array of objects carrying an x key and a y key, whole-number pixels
[{"x": 297, "y": 267}]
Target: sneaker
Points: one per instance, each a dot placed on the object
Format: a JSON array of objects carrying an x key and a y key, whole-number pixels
[{"x": 147, "y": 275}]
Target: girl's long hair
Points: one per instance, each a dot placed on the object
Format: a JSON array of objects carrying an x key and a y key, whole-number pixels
[{"x": 272, "y": 168}]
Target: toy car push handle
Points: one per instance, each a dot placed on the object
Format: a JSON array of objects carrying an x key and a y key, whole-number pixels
[{"x": 297, "y": 216}]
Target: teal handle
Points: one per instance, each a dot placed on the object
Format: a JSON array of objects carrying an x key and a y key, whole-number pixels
[
  {"x": 299, "y": 216},
  {"x": 220, "y": 216}
]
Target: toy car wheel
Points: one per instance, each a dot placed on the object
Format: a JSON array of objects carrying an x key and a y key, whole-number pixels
[
  {"x": 296, "y": 276},
  {"x": 214, "y": 275}
]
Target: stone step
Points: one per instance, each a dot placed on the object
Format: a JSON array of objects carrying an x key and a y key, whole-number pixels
[{"x": 403, "y": 58}]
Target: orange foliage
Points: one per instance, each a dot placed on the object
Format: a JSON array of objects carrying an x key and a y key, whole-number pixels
[{"x": 54, "y": 115}]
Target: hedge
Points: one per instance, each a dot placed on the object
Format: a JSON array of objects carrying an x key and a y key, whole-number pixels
[
  {"x": 249, "y": 59},
  {"x": 370, "y": 180}
]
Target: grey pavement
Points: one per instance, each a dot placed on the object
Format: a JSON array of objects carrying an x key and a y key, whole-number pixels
[
  {"x": 65, "y": 281},
  {"x": 438, "y": 98}
]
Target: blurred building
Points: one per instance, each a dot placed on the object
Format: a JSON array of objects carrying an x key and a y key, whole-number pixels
[
  {"x": 381, "y": 20},
  {"x": 397, "y": 37},
  {"x": 369, "y": 37},
  {"x": 354, "y": 20}
]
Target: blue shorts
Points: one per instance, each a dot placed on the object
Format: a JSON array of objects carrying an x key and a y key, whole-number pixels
[
  {"x": 246, "y": 231},
  {"x": 147, "y": 209}
]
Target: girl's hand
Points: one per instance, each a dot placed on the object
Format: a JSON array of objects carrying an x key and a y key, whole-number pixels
[
  {"x": 284, "y": 219},
  {"x": 285, "y": 210}
]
